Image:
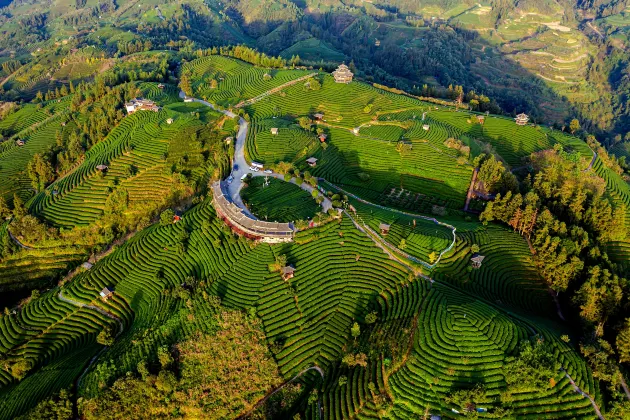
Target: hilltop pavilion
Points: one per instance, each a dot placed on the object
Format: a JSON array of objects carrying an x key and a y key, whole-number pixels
[
  {"x": 342, "y": 74},
  {"x": 521, "y": 119}
]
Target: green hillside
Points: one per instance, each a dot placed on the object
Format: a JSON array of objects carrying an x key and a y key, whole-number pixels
[{"x": 194, "y": 228}]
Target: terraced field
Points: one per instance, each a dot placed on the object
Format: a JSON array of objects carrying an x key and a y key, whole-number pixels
[
  {"x": 235, "y": 79},
  {"x": 420, "y": 339},
  {"x": 139, "y": 153},
  {"x": 37, "y": 127}
]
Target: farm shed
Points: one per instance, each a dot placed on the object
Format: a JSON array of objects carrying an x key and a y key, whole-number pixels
[
  {"x": 169, "y": 121},
  {"x": 318, "y": 116},
  {"x": 323, "y": 137},
  {"x": 106, "y": 293},
  {"x": 102, "y": 168},
  {"x": 188, "y": 99},
  {"x": 287, "y": 272},
  {"x": 384, "y": 227},
  {"x": 141, "y": 105},
  {"x": 312, "y": 161},
  {"x": 87, "y": 265},
  {"x": 476, "y": 260},
  {"x": 274, "y": 131},
  {"x": 20, "y": 142},
  {"x": 425, "y": 127},
  {"x": 481, "y": 119},
  {"x": 160, "y": 86},
  {"x": 228, "y": 140}
]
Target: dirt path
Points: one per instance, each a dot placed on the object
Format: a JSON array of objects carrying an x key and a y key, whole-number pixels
[
  {"x": 274, "y": 90},
  {"x": 94, "y": 308},
  {"x": 584, "y": 394},
  {"x": 17, "y": 242},
  {"x": 432, "y": 219},
  {"x": 590, "y": 165},
  {"x": 594, "y": 28},
  {"x": 471, "y": 188},
  {"x": 278, "y": 388}
]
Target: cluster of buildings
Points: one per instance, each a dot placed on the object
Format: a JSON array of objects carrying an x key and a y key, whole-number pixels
[
  {"x": 141, "y": 105},
  {"x": 243, "y": 224}
]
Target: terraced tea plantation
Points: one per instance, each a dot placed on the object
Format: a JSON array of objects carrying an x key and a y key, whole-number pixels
[
  {"x": 383, "y": 297},
  {"x": 278, "y": 201},
  {"x": 226, "y": 81}
]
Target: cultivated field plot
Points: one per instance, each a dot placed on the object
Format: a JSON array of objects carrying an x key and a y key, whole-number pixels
[
  {"x": 461, "y": 341},
  {"x": 235, "y": 80},
  {"x": 511, "y": 141},
  {"x": 342, "y": 105},
  {"x": 279, "y": 201},
  {"x": 423, "y": 169},
  {"x": 507, "y": 275},
  {"x": 140, "y": 153},
  {"x": 415, "y": 236},
  {"x": 290, "y": 144},
  {"x": 37, "y": 128}
]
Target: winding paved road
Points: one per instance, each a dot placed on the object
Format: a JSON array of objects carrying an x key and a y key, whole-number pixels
[{"x": 240, "y": 166}]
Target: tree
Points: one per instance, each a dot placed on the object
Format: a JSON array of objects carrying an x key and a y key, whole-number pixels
[
  {"x": 185, "y": 85},
  {"x": 19, "y": 210},
  {"x": 355, "y": 331},
  {"x": 574, "y": 125},
  {"x": 40, "y": 171},
  {"x": 166, "y": 217},
  {"x": 623, "y": 343},
  {"x": 4, "y": 208},
  {"x": 165, "y": 357},
  {"x": 433, "y": 256},
  {"x": 474, "y": 248},
  {"x": 59, "y": 407},
  {"x": 106, "y": 336},
  {"x": 305, "y": 122},
  {"x": 402, "y": 244},
  {"x": 371, "y": 318},
  {"x": 20, "y": 369}
]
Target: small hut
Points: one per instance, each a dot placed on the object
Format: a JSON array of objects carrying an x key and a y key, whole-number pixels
[
  {"x": 287, "y": 272},
  {"x": 106, "y": 293},
  {"x": 521, "y": 119},
  {"x": 355, "y": 130},
  {"x": 323, "y": 137},
  {"x": 228, "y": 140},
  {"x": 384, "y": 227},
  {"x": 87, "y": 265},
  {"x": 102, "y": 168},
  {"x": 312, "y": 162},
  {"x": 481, "y": 119},
  {"x": 476, "y": 260},
  {"x": 188, "y": 99},
  {"x": 176, "y": 218},
  {"x": 169, "y": 121},
  {"x": 160, "y": 85},
  {"x": 274, "y": 131},
  {"x": 425, "y": 127},
  {"x": 342, "y": 74},
  {"x": 20, "y": 142},
  {"x": 318, "y": 116}
]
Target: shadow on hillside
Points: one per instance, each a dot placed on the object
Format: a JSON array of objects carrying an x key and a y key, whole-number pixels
[{"x": 449, "y": 55}]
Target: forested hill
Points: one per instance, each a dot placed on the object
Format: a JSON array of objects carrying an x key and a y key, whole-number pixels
[{"x": 552, "y": 59}]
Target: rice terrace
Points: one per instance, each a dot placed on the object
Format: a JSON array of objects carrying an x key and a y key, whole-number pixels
[{"x": 218, "y": 233}]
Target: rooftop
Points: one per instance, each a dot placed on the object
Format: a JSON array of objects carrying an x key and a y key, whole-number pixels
[{"x": 252, "y": 226}]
